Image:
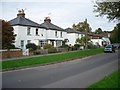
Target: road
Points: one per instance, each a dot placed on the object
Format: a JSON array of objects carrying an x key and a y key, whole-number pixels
[{"x": 79, "y": 73}]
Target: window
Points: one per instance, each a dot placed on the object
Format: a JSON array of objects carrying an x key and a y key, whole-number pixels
[
  {"x": 42, "y": 43},
  {"x": 36, "y": 31},
  {"x": 61, "y": 34},
  {"x": 41, "y": 34},
  {"x": 55, "y": 33},
  {"x": 28, "y": 31},
  {"x": 28, "y": 41},
  {"x": 22, "y": 43},
  {"x": 82, "y": 35}
]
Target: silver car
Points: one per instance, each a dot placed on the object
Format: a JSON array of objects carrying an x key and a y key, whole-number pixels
[{"x": 109, "y": 48}]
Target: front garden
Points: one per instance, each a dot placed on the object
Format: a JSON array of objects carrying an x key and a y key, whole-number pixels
[{"x": 47, "y": 59}]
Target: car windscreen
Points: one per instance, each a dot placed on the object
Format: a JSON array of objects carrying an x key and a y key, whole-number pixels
[{"x": 108, "y": 46}]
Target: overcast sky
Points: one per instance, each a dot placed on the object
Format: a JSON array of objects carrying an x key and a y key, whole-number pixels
[{"x": 63, "y": 13}]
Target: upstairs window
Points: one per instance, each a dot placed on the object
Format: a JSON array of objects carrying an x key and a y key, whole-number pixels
[
  {"x": 36, "y": 31},
  {"x": 61, "y": 35},
  {"x": 55, "y": 33},
  {"x": 28, "y": 31}
]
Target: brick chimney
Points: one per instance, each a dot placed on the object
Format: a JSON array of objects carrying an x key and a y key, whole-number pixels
[
  {"x": 21, "y": 13},
  {"x": 47, "y": 19}
]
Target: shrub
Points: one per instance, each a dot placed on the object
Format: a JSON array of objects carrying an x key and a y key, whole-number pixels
[
  {"x": 76, "y": 46},
  {"x": 52, "y": 50},
  {"x": 37, "y": 52},
  {"x": 47, "y": 46},
  {"x": 31, "y": 46},
  {"x": 91, "y": 46},
  {"x": 64, "y": 46}
]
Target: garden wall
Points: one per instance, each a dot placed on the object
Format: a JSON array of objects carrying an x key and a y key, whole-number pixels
[{"x": 11, "y": 53}]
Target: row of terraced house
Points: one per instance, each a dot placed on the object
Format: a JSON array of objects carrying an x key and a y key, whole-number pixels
[{"x": 28, "y": 31}]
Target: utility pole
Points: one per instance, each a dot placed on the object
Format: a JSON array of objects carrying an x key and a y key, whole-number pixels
[{"x": 86, "y": 34}]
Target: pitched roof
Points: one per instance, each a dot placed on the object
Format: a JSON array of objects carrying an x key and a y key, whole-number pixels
[
  {"x": 19, "y": 20},
  {"x": 48, "y": 25},
  {"x": 95, "y": 35},
  {"x": 71, "y": 30}
]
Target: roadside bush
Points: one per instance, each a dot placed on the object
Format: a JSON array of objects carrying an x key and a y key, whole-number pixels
[
  {"x": 37, "y": 52},
  {"x": 91, "y": 46},
  {"x": 76, "y": 46},
  {"x": 47, "y": 46},
  {"x": 52, "y": 50},
  {"x": 64, "y": 46},
  {"x": 31, "y": 46}
]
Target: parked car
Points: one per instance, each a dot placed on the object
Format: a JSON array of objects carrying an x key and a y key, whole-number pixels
[
  {"x": 109, "y": 48},
  {"x": 116, "y": 45}
]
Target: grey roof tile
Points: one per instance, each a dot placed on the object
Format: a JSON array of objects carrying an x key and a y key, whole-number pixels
[
  {"x": 23, "y": 22},
  {"x": 49, "y": 25},
  {"x": 71, "y": 30}
]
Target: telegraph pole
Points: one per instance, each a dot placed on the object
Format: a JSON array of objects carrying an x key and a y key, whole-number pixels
[{"x": 86, "y": 34}]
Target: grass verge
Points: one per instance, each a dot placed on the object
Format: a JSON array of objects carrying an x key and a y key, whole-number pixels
[
  {"x": 110, "y": 81},
  {"x": 28, "y": 62}
]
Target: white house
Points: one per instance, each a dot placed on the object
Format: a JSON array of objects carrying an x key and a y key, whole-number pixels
[
  {"x": 54, "y": 34},
  {"x": 28, "y": 31},
  {"x": 100, "y": 40},
  {"x": 72, "y": 35}
]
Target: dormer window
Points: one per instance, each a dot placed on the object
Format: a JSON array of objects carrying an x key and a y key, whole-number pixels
[
  {"x": 28, "y": 31},
  {"x": 36, "y": 31}
]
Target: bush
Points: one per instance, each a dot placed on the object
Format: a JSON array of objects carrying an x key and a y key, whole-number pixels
[
  {"x": 52, "y": 50},
  {"x": 47, "y": 46},
  {"x": 64, "y": 46},
  {"x": 76, "y": 46},
  {"x": 91, "y": 46},
  {"x": 31, "y": 46},
  {"x": 37, "y": 52}
]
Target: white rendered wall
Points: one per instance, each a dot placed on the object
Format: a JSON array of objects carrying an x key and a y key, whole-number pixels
[{"x": 21, "y": 34}]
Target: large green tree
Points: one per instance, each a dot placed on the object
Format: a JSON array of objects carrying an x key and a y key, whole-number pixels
[
  {"x": 115, "y": 35},
  {"x": 82, "y": 41},
  {"x": 109, "y": 9},
  {"x": 98, "y": 31},
  {"x": 112, "y": 11},
  {"x": 8, "y": 36},
  {"x": 82, "y": 26}
]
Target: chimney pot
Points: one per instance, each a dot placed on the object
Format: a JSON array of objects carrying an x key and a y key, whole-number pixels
[{"x": 21, "y": 13}]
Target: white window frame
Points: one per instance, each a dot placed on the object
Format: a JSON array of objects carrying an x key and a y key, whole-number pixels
[
  {"x": 28, "y": 31},
  {"x": 56, "y": 34},
  {"x": 37, "y": 32},
  {"x": 22, "y": 43}
]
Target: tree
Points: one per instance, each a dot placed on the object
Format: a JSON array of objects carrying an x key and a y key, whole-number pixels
[
  {"x": 98, "y": 31},
  {"x": 115, "y": 35},
  {"x": 82, "y": 40},
  {"x": 110, "y": 9},
  {"x": 31, "y": 46},
  {"x": 82, "y": 26},
  {"x": 8, "y": 37}
]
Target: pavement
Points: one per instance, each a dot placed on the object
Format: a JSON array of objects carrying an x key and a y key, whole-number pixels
[{"x": 79, "y": 73}]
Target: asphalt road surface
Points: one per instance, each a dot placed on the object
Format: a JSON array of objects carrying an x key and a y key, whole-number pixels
[{"x": 79, "y": 73}]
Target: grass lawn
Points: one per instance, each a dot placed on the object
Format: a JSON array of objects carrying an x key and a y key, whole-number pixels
[
  {"x": 13, "y": 64},
  {"x": 110, "y": 81}
]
